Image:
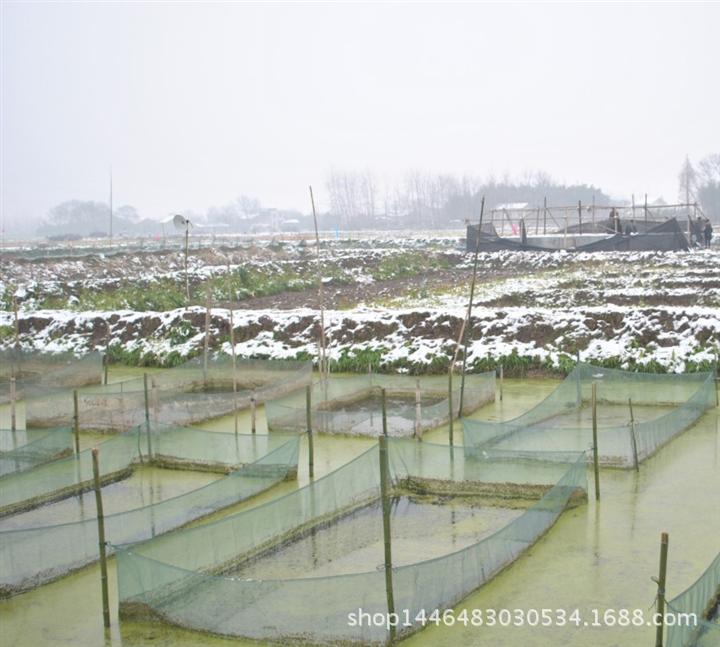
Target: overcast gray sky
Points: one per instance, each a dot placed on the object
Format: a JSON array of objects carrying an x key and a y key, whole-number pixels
[{"x": 193, "y": 104}]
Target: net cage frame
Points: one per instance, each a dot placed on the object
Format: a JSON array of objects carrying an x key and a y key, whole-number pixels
[
  {"x": 182, "y": 578},
  {"x": 175, "y": 396},
  {"x": 39, "y": 374},
  {"x": 40, "y": 554},
  {"x": 701, "y": 598},
  {"x": 288, "y": 414},
  {"x": 690, "y": 395},
  {"x": 29, "y": 448}
]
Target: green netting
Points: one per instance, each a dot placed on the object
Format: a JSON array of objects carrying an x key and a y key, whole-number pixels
[
  {"x": 166, "y": 446},
  {"x": 352, "y": 405},
  {"x": 703, "y": 600},
  {"x": 39, "y": 374},
  {"x": 184, "y": 395},
  {"x": 197, "y": 577},
  {"x": 24, "y": 449},
  {"x": 32, "y": 556},
  {"x": 663, "y": 406}
]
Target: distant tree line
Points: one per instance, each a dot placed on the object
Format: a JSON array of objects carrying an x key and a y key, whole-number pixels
[{"x": 439, "y": 200}]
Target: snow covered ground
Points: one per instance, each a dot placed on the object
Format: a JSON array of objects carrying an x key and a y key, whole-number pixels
[{"x": 531, "y": 310}]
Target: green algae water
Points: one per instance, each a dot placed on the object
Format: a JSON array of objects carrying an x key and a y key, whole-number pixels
[{"x": 597, "y": 556}]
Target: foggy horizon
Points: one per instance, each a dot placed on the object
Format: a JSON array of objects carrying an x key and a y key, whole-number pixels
[{"x": 193, "y": 105}]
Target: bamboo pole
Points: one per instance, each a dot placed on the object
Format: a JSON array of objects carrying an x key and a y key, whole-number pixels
[
  {"x": 101, "y": 540},
  {"x": 464, "y": 333},
  {"x": 502, "y": 381},
  {"x": 106, "y": 361},
  {"x": 418, "y": 410},
  {"x": 450, "y": 407},
  {"x": 16, "y": 322},
  {"x": 13, "y": 398},
  {"x": 387, "y": 533},
  {"x": 147, "y": 415},
  {"x": 596, "y": 465},
  {"x": 253, "y": 412},
  {"x": 206, "y": 341},
  {"x": 646, "y": 211},
  {"x": 384, "y": 412},
  {"x": 593, "y": 211},
  {"x": 234, "y": 367},
  {"x": 661, "y": 582},
  {"x": 321, "y": 295},
  {"x": 544, "y": 216},
  {"x": 76, "y": 422},
  {"x": 308, "y": 421},
  {"x": 187, "y": 250},
  {"x": 580, "y": 217},
  {"x": 633, "y": 440}
]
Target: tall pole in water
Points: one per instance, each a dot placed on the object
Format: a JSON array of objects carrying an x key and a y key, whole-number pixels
[{"x": 464, "y": 335}]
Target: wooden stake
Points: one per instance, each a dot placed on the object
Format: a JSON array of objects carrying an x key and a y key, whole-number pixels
[
  {"x": 580, "y": 231},
  {"x": 17, "y": 322},
  {"x": 321, "y": 297},
  {"x": 502, "y": 381},
  {"x": 387, "y": 533},
  {"x": 418, "y": 410},
  {"x": 450, "y": 407},
  {"x": 206, "y": 341},
  {"x": 253, "y": 412},
  {"x": 101, "y": 540},
  {"x": 596, "y": 464},
  {"x": 661, "y": 581},
  {"x": 234, "y": 366},
  {"x": 106, "y": 361},
  {"x": 465, "y": 333},
  {"x": 147, "y": 415},
  {"x": 187, "y": 250},
  {"x": 384, "y": 412},
  {"x": 13, "y": 398},
  {"x": 308, "y": 419},
  {"x": 544, "y": 216},
  {"x": 76, "y": 422},
  {"x": 633, "y": 440}
]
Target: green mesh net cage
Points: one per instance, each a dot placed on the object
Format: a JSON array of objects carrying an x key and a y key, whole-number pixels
[
  {"x": 352, "y": 405},
  {"x": 22, "y": 449},
  {"x": 703, "y": 600},
  {"x": 193, "y": 392},
  {"x": 297, "y": 567},
  {"x": 636, "y": 412},
  {"x": 39, "y": 374},
  {"x": 33, "y": 555}
]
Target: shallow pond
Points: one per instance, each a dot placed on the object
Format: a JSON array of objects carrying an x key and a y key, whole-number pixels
[{"x": 598, "y": 556}]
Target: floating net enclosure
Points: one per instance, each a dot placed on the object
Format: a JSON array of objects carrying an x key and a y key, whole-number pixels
[
  {"x": 184, "y": 395},
  {"x": 662, "y": 407},
  {"x": 38, "y": 375},
  {"x": 702, "y": 599},
  {"x": 22, "y": 449},
  {"x": 168, "y": 446},
  {"x": 30, "y": 556},
  {"x": 296, "y": 567},
  {"x": 352, "y": 405}
]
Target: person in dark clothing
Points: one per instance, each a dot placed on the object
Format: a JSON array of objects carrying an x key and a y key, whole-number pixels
[
  {"x": 697, "y": 231},
  {"x": 630, "y": 228},
  {"x": 708, "y": 232}
]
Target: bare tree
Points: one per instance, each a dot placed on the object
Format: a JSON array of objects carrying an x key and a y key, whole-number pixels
[{"x": 687, "y": 181}]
